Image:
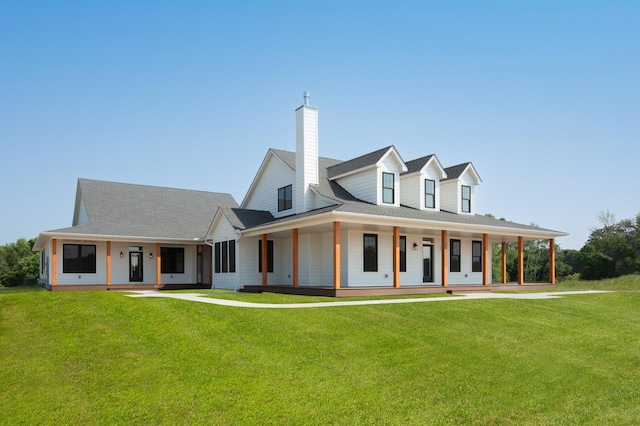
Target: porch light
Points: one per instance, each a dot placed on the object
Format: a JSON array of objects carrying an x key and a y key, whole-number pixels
[
  {"x": 121, "y": 255},
  {"x": 150, "y": 255},
  {"x": 415, "y": 246}
]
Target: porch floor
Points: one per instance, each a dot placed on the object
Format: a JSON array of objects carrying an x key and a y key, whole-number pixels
[{"x": 393, "y": 291}]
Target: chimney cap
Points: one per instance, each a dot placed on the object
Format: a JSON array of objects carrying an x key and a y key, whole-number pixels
[{"x": 306, "y": 96}]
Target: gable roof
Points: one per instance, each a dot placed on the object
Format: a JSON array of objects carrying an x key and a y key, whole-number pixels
[
  {"x": 418, "y": 164},
  {"x": 128, "y": 210},
  {"x": 454, "y": 172},
  {"x": 362, "y": 162}
]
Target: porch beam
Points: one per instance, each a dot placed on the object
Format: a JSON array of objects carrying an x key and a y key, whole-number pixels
[
  {"x": 396, "y": 256},
  {"x": 294, "y": 237},
  {"x": 336, "y": 255},
  {"x": 158, "y": 265},
  {"x": 264, "y": 259},
  {"x": 485, "y": 259},
  {"x": 108, "y": 263},
  {"x": 504, "y": 262},
  {"x": 445, "y": 257},
  {"x": 54, "y": 262},
  {"x": 520, "y": 260},
  {"x": 552, "y": 261}
]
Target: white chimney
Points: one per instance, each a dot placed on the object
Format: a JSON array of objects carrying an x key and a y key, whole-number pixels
[{"x": 306, "y": 153}]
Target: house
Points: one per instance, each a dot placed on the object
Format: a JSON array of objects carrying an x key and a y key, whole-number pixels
[{"x": 308, "y": 225}]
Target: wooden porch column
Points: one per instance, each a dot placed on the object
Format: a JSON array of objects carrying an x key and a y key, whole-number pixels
[
  {"x": 504, "y": 262},
  {"x": 264, "y": 259},
  {"x": 295, "y": 256},
  {"x": 552, "y": 261},
  {"x": 108, "y": 263},
  {"x": 336, "y": 255},
  {"x": 485, "y": 259},
  {"x": 158, "y": 265},
  {"x": 445, "y": 258},
  {"x": 54, "y": 262},
  {"x": 520, "y": 260},
  {"x": 396, "y": 256}
]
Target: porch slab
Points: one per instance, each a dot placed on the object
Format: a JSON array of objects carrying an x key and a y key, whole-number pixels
[{"x": 393, "y": 291}]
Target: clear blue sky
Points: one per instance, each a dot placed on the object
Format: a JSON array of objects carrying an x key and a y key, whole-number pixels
[{"x": 542, "y": 97}]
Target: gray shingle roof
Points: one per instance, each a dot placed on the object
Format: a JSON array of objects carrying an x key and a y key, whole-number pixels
[
  {"x": 357, "y": 163},
  {"x": 122, "y": 209},
  {"x": 242, "y": 219},
  {"x": 454, "y": 172},
  {"x": 417, "y": 164}
]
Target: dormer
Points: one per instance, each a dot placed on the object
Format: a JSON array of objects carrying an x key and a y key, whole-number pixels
[
  {"x": 373, "y": 177},
  {"x": 457, "y": 191},
  {"x": 420, "y": 184}
]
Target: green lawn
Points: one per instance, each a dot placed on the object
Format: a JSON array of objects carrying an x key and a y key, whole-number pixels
[{"x": 104, "y": 358}]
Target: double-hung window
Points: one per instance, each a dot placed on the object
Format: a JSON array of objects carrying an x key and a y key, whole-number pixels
[
  {"x": 285, "y": 198},
  {"x": 466, "y": 199},
  {"x": 476, "y": 256},
  {"x": 172, "y": 260},
  {"x": 370, "y": 253},
  {"x": 388, "y": 188},
  {"x": 430, "y": 193},
  {"x": 454, "y": 255},
  {"x": 79, "y": 258},
  {"x": 225, "y": 256}
]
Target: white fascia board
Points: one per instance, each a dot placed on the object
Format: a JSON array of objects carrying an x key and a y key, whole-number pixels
[
  {"x": 261, "y": 170},
  {"x": 398, "y": 158},
  {"x": 438, "y": 165},
  {"x": 324, "y": 197},
  {"x": 353, "y": 172},
  {"x": 131, "y": 238}
]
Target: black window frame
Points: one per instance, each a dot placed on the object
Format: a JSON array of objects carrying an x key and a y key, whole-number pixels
[
  {"x": 403, "y": 253},
  {"x": 285, "y": 198},
  {"x": 225, "y": 257},
  {"x": 429, "y": 195},
  {"x": 269, "y": 256},
  {"x": 466, "y": 202},
  {"x": 172, "y": 260},
  {"x": 389, "y": 190},
  {"x": 370, "y": 256},
  {"x": 455, "y": 248},
  {"x": 82, "y": 262},
  {"x": 476, "y": 258}
]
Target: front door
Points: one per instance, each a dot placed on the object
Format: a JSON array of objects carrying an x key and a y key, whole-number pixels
[
  {"x": 135, "y": 266},
  {"x": 427, "y": 263}
]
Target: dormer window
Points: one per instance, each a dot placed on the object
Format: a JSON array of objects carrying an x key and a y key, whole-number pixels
[
  {"x": 466, "y": 199},
  {"x": 285, "y": 198},
  {"x": 430, "y": 194},
  {"x": 388, "y": 188}
]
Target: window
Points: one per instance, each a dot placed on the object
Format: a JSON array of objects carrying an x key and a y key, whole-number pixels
[
  {"x": 285, "y": 197},
  {"x": 454, "y": 255},
  {"x": 403, "y": 254},
  {"x": 43, "y": 258},
  {"x": 466, "y": 199},
  {"x": 476, "y": 256},
  {"x": 388, "y": 188},
  {"x": 370, "y": 253},
  {"x": 269, "y": 256},
  {"x": 79, "y": 258},
  {"x": 172, "y": 260},
  {"x": 225, "y": 256},
  {"x": 430, "y": 193}
]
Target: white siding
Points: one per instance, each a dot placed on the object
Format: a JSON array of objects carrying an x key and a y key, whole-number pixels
[
  {"x": 265, "y": 195},
  {"x": 410, "y": 191},
  {"x": 431, "y": 172},
  {"x": 465, "y": 276},
  {"x": 363, "y": 185},
  {"x": 467, "y": 179},
  {"x": 306, "y": 156},
  {"x": 449, "y": 196},
  {"x": 75, "y": 278},
  {"x": 223, "y": 231}
]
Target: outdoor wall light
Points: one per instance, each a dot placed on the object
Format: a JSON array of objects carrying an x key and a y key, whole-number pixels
[
  {"x": 121, "y": 255},
  {"x": 415, "y": 246},
  {"x": 150, "y": 255}
]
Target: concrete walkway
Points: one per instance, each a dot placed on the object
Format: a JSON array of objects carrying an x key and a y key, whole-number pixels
[{"x": 202, "y": 298}]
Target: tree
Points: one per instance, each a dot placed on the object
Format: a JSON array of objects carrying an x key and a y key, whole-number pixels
[{"x": 18, "y": 261}]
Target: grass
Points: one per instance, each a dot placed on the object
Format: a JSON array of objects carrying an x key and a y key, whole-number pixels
[{"x": 98, "y": 358}]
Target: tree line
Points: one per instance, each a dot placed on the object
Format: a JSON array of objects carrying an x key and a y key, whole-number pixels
[{"x": 612, "y": 250}]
